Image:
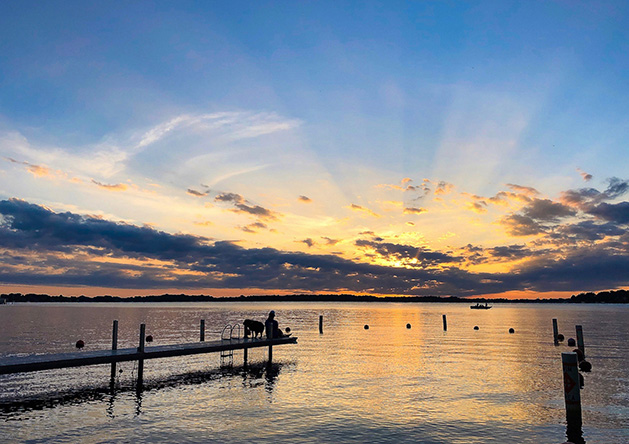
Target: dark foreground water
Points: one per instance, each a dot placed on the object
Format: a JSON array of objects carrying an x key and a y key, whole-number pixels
[{"x": 385, "y": 384}]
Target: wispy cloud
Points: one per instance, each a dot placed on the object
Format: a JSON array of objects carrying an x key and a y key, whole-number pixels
[
  {"x": 364, "y": 210},
  {"x": 243, "y": 206},
  {"x": 111, "y": 187}
]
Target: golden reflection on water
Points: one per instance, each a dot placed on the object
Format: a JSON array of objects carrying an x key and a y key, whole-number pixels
[{"x": 382, "y": 384}]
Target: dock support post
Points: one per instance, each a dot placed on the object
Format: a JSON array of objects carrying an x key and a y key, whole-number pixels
[
  {"x": 571, "y": 389},
  {"x": 580, "y": 344},
  {"x": 202, "y": 330},
  {"x": 445, "y": 323},
  {"x": 141, "y": 361},
  {"x": 245, "y": 356},
  {"x": 114, "y": 346},
  {"x": 321, "y": 324},
  {"x": 269, "y": 335},
  {"x": 555, "y": 332}
]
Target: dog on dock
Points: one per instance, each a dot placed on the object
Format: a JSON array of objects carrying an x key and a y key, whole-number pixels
[{"x": 254, "y": 327}]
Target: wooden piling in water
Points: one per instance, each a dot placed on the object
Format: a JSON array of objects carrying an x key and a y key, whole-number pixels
[
  {"x": 580, "y": 344},
  {"x": 268, "y": 325},
  {"x": 202, "y": 331},
  {"x": 114, "y": 346},
  {"x": 555, "y": 332},
  {"x": 141, "y": 361},
  {"x": 445, "y": 323},
  {"x": 321, "y": 324},
  {"x": 571, "y": 387}
]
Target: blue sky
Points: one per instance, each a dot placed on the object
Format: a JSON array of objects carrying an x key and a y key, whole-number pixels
[{"x": 372, "y": 132}]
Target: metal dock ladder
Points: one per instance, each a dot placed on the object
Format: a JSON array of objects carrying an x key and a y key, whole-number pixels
[{"x": 229, "y": 332}]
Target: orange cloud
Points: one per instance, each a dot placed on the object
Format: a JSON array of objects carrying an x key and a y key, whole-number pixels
[
  {"x": 586, "y": 177},
  {"x": 111, "y": 187},
  {"x": 444, "y": 188},
  {"x": 35, "y": 170},
  {"x": 527, "y": 191},
  {"x": 363, "y": 209}
]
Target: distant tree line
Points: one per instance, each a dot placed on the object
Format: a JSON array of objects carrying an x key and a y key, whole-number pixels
[{"x": 606, "y": 297}]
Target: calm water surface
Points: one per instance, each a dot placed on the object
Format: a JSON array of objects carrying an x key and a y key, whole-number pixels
[{"x": 384, "y": 384}]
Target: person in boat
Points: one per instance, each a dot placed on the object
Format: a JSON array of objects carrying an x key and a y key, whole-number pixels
[{"x": 272, "y": 324}]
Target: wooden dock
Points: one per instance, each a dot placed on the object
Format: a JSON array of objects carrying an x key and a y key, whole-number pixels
[{"x": 35, "y": 363}]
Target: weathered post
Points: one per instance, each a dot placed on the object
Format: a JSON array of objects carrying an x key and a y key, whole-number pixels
[
  {"x": 245, "y": 356},
  {"x": 580, "y": 344},
  {"x": 571, "y": 389},
  {"x": 141, "y": 361},
  {"x": 114, "y": 346},
  {"x": 445, "y": 323},
  {"x": 555, "y": 332},
  {"x": 202, "y": 330},
  {"x": 269, "y": 335},
  {"x": 321, "y": 324}
]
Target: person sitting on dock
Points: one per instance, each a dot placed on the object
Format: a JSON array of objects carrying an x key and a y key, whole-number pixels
[{"x": 272, "y": 324}]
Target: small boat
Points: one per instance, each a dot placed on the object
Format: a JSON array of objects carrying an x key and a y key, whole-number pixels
[{"x": 480, "y": 306}]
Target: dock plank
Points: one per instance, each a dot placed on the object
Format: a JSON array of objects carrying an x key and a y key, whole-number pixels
[{"x": 32, "y": 363}]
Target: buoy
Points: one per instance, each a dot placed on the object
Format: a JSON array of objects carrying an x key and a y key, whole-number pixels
[
  {"x": 408, "y": 325},
  {"x": 560, "y": 337},
  {"x": 571, "y": 342},
  {"x": 80, "y": 344},
  {"x": 149, "y": 338},
  {"x": 476, "y": 327},
  {"x": 585, "y": 366},
  {"x": 580, "y": 355},
  {"x": 366, "y": 327},
  {"x": 287, "y": 329},
  {"x": 511, "y": 330}
]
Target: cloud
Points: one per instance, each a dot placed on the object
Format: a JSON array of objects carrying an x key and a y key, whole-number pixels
[
  {"x": 330, "y": 241},
  {"x": 363, "y": 209},
  {"x": 510, "y": 252},
  {"x": 304, "y": 199},
  {"x": 196, "y": 193},
  {"x": 618, "y": 213},
  {"x": 586, "y": 177},
  {"x": 242, "y": 206},
  {"x": 444, "y": 188},
  {"x": 234, "y": 125},
  {"x": 547, "y": 210},
  {"x": 414, "y": 210},
  {"x": 477, "y": 207},
  {"x": 308, "y": 242},
  {"x": 111, "y": 187},
  {"x": 39, "y": 246},
  {"x": 254, "y": 227},
  {"x": 518, "y": 225},
  {"x": 581, "y": 198},
  {"x": 527, "y": 191},
  {"x": 409, "y": 254},
  {"x": 617, "y": 187},
  {"x": 35, "y": 170},
  {"x": 588, "y": 230}
]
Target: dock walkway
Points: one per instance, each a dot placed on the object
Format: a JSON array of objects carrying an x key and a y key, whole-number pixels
[{"x": 32, "y": 363}]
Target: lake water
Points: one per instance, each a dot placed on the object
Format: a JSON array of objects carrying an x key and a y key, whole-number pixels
[{"x": 385, "y": 384}]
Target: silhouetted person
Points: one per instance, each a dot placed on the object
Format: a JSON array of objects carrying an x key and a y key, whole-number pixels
[{"x": 272, "y": 327}]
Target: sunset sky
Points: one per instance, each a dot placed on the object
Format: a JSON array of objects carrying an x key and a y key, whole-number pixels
[{"x": 249, "y": 147}]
